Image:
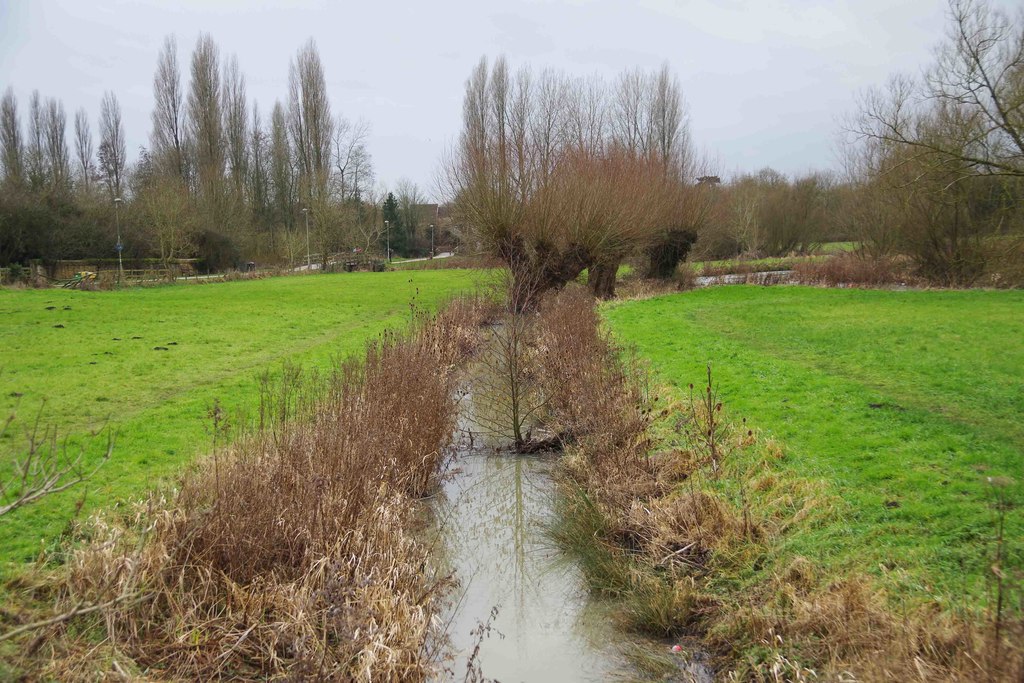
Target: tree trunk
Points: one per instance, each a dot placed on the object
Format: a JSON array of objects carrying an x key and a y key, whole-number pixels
[
  {"x": 601, "y": 279},
  {"x": 668, "y": 252}
]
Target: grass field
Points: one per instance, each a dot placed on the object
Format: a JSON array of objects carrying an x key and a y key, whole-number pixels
[
  {"x": 903, "y": 403},
  {"x": 148, "y": 363}
]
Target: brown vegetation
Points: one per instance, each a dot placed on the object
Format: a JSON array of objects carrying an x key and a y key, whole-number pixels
[
  {"x": 555, "y": 176},
  {"x": 854, "y": 270},
  {"x": 936, "y": 160},
  {"x": 674, "y": 510},
  {"x": 288, "y": 553}
]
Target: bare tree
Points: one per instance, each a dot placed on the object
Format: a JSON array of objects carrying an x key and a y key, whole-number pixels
[
  {"x": 632, "y": 121},
  {"x": 57, "y": 157},
  {"x": 370, "y": 229},
  {"x": 352, "y": 163},
  {"x": 549, "y": 127},
  {"x": 168, "y": 136},
  {"x": 968, "y": 110},
  {"x": 555, "y": 176},
  {"x": 942, "y": 156},
  {"x": 506, "y": 396},
  {"x": 35, "y": 151},
  {"x": 236, "y": 125},
  {"x": 112, "y": 149},
  {"x": 84, "y": 149},
  {"x": 587, "y": 111},
  {"x": 12, "y": 146},
  {"x": 259, "y": 180},
  {"x": 282, "y": 170},
  {"x": 205, "y": 121},
  {"x": 669, "y": 132},
  {"x": 311, "y": 125},
  {"x": 410, "y": 198},
  {"x": 168, "y": 217}
]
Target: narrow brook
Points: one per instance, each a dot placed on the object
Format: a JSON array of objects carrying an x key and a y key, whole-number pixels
[
  {"x": 493, "y": 515},
  {"x": 491, "y": 519}
]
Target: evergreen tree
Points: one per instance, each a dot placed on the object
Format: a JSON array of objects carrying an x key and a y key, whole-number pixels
[{"x": 391, "y": 214}]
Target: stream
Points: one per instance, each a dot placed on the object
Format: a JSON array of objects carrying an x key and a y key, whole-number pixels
[
  {"x": 543, "y": 624},
  {"x": 494, "y": 511}
]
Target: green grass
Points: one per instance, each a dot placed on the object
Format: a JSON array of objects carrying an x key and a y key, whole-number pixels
[
  {"x": 912, "y": 398},
  {"x": 218, "y": 337},
  {"x": 837, "y": 247},
  {"x": 770, "y": 263}
]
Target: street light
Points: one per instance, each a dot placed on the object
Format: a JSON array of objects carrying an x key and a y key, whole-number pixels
[
  {"x": 309, "y": 263},
  {"x": 387, "y": 231},
  {"x": 431, "y": 240},
  {"x": 119, "y": 246}
]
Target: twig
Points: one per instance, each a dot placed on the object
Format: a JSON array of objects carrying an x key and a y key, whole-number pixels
[{"x": 76, "y": 611}]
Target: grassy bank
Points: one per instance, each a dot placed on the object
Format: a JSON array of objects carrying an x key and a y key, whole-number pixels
[
  {"x": 840, "y": 501},
  {"x": 291, "y": 553},
  {"x": 149, "y": 363},
  {"x": 902, "y": 404}
]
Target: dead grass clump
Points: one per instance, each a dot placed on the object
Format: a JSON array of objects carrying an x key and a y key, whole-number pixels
[
  {"x": 637, "y": 288},
  {"x": 849, "y": 269},
  {"x": 683, "y": 528},
  {"x": 289, "y": 553},
  {"x": 685, "y": 276},
  {"x": 848, "y": 627},
  {"x": 594, "y": 398}
]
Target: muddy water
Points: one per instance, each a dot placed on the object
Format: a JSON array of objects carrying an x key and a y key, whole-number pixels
[
  {"x": 522, "y": 611},
  {"x": 492, "y": 520}
]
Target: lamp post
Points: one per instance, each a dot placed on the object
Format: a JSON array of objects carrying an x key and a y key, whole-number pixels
[
  {"x": 309, "y": 263},
  {"x": 431, "y": 240},
  {"x": 119, "y": 246},
  {"x": 387, "y": 231}
]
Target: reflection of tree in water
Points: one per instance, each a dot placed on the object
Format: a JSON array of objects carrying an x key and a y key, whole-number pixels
[{"x": 492, "y": 517}]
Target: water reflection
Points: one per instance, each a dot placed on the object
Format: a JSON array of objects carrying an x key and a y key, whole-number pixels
[{"x": 492, "y": 518}]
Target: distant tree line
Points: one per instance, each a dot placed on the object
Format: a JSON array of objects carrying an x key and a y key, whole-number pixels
[
  {"x": 220, "y": 180},
  {"x": 933, "y": 174},
  {"x": 552, "y": 174},
  {"x": 555, "y": 175}
]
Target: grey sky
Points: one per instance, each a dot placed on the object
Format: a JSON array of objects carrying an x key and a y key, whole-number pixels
[{"x": 766, "y": 82}]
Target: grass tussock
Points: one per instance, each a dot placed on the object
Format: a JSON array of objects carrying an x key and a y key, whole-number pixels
[
  {"x": 288, "y": 554},
  {"x": 683, "y": 515}
]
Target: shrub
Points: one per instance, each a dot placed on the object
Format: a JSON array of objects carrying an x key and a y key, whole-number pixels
[{"x": 849, "y": 269}]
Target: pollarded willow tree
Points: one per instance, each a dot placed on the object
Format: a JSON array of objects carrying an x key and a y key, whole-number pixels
[{"x": 555, "y": 176}]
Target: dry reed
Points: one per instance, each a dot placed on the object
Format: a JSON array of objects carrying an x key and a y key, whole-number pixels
[
  {"x": 291, "y": 553},
  {"x": 674, "y": 520}
]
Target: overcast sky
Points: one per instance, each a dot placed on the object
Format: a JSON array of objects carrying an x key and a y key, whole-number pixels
[{"x": 766, "y": 82}]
